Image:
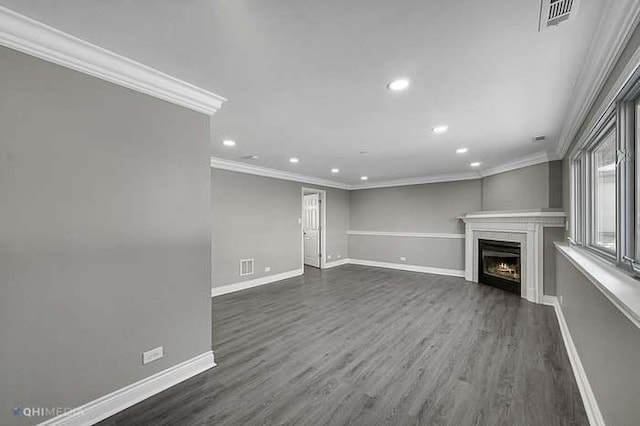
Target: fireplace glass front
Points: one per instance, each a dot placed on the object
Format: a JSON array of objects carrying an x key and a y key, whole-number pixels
[{"x": 499, "y": 265}]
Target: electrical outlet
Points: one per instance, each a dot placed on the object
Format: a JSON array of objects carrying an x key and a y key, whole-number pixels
[
  {"x": 299, "y": 221},
  {"x": 152, "y": 355},
  {"x": 267, "y": 268},
  {"x": 339, "y": 256},
  {"x": 329, "y": 256},
  {"x": 403, "y": 259}
]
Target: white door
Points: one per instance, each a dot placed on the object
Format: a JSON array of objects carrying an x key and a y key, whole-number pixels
[{"x": 311, "y": 229}]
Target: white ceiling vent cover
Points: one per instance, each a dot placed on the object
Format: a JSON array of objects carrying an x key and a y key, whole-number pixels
[
  {"x": 246, "y": 267},
  {"x": 552, "y": 12}
]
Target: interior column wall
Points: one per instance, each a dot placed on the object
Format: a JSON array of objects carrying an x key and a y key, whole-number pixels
[{"x": 104, "y": 235}]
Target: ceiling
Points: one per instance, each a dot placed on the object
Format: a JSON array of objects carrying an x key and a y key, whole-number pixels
[{"x": 308, "y": 78}]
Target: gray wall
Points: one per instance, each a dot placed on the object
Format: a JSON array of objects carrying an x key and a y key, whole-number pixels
[
  {"x": 607, "y": 342},
  {"x": 257, "y": 217},
  {"x": 337, "y": 224},
  {"x": 432, "y": 207},
  {"x": 435, "y": 208},
  {"x": 428, "y": 208},
  {"x": 555, "y": 184},
  {"x": 531, "y": 187},
  {"x": 104, "y": 235},
  {"x": 433, "y": 252}
]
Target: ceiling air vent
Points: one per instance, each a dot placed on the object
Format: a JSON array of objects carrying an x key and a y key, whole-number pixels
[{"x": 552, "y": 12}]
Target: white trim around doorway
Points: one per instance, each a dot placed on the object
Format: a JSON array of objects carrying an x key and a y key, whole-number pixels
[{"x": 323, "y": 224}]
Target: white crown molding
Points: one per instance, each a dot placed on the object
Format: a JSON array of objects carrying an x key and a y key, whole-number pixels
[
  {"x": 114, "y": 402},
  {"x": 243, "y": 285},
  {"x": 451, "y": 177},
  {"x": 615, "y": 26},
  {"x": 236, "y": 166},
  {"x": 588, "y": 398},
  {"x": 407, "y": 234},
  {"x": 519, "y": 163},
  {"x": 26, "y": 35}
]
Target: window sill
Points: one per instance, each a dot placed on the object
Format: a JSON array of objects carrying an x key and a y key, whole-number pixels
[{"x": 619, "y": 287}]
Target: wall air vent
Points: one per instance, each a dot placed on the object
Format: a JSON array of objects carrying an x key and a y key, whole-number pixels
[
  {"x": 541, "y": 138},
  {"x": 552, "y": 12},
  {"x": 246, "y": 267}
]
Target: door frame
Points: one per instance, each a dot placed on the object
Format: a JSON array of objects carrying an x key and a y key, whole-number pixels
[{"x": 323, "y": 223}]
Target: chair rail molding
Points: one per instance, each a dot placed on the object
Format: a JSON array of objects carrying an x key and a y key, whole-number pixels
[
  {"x": 34, "y": 38},
  {"x": 406, "y": 234},
  {"x": 618, "y": 20}
]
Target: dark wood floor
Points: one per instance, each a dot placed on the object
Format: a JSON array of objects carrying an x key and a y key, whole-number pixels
[{"x": 368, "y": 346}]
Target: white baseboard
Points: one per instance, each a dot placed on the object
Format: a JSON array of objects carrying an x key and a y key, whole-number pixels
[
  {"x": 588, "y": 398},
  {"x": 231, "y": 288},
  {"x": 549, "y": 300},
  {"x": 114, "y": 402},
  {"x": 411, "y": 268},
  {"x": 336, "y": 263}
]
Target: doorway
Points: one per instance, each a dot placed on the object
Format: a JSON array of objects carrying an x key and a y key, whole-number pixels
[{"x": 313, "y": 227}]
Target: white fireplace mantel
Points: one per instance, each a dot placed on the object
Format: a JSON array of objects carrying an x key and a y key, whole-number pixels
[{"x": 523, "y": 226}]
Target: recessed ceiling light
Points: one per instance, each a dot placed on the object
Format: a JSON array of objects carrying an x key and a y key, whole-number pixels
[
  {"x": 398, "y": 84},
  {"x": 440, "y": 129},
  {"x": 475, "y": 164},
  {"x": 364, "y": 177},
  {"x": 335, "y": 170},
  {"x": 293, "y": 160},
  {"x": 462, "y": 150},
  {"x": 228, "y": 142}
]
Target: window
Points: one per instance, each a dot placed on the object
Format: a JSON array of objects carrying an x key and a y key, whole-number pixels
[
  {"x": 604, "y": 193},
  {"x": 594, "y": 188},
  {"x": 605, "y": 185}
]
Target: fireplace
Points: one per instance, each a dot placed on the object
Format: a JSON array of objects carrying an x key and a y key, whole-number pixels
[{"x": 499, "y": 265}]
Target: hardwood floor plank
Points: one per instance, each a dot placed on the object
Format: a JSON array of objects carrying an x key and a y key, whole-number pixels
[{"x": 361, "y": 345}]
